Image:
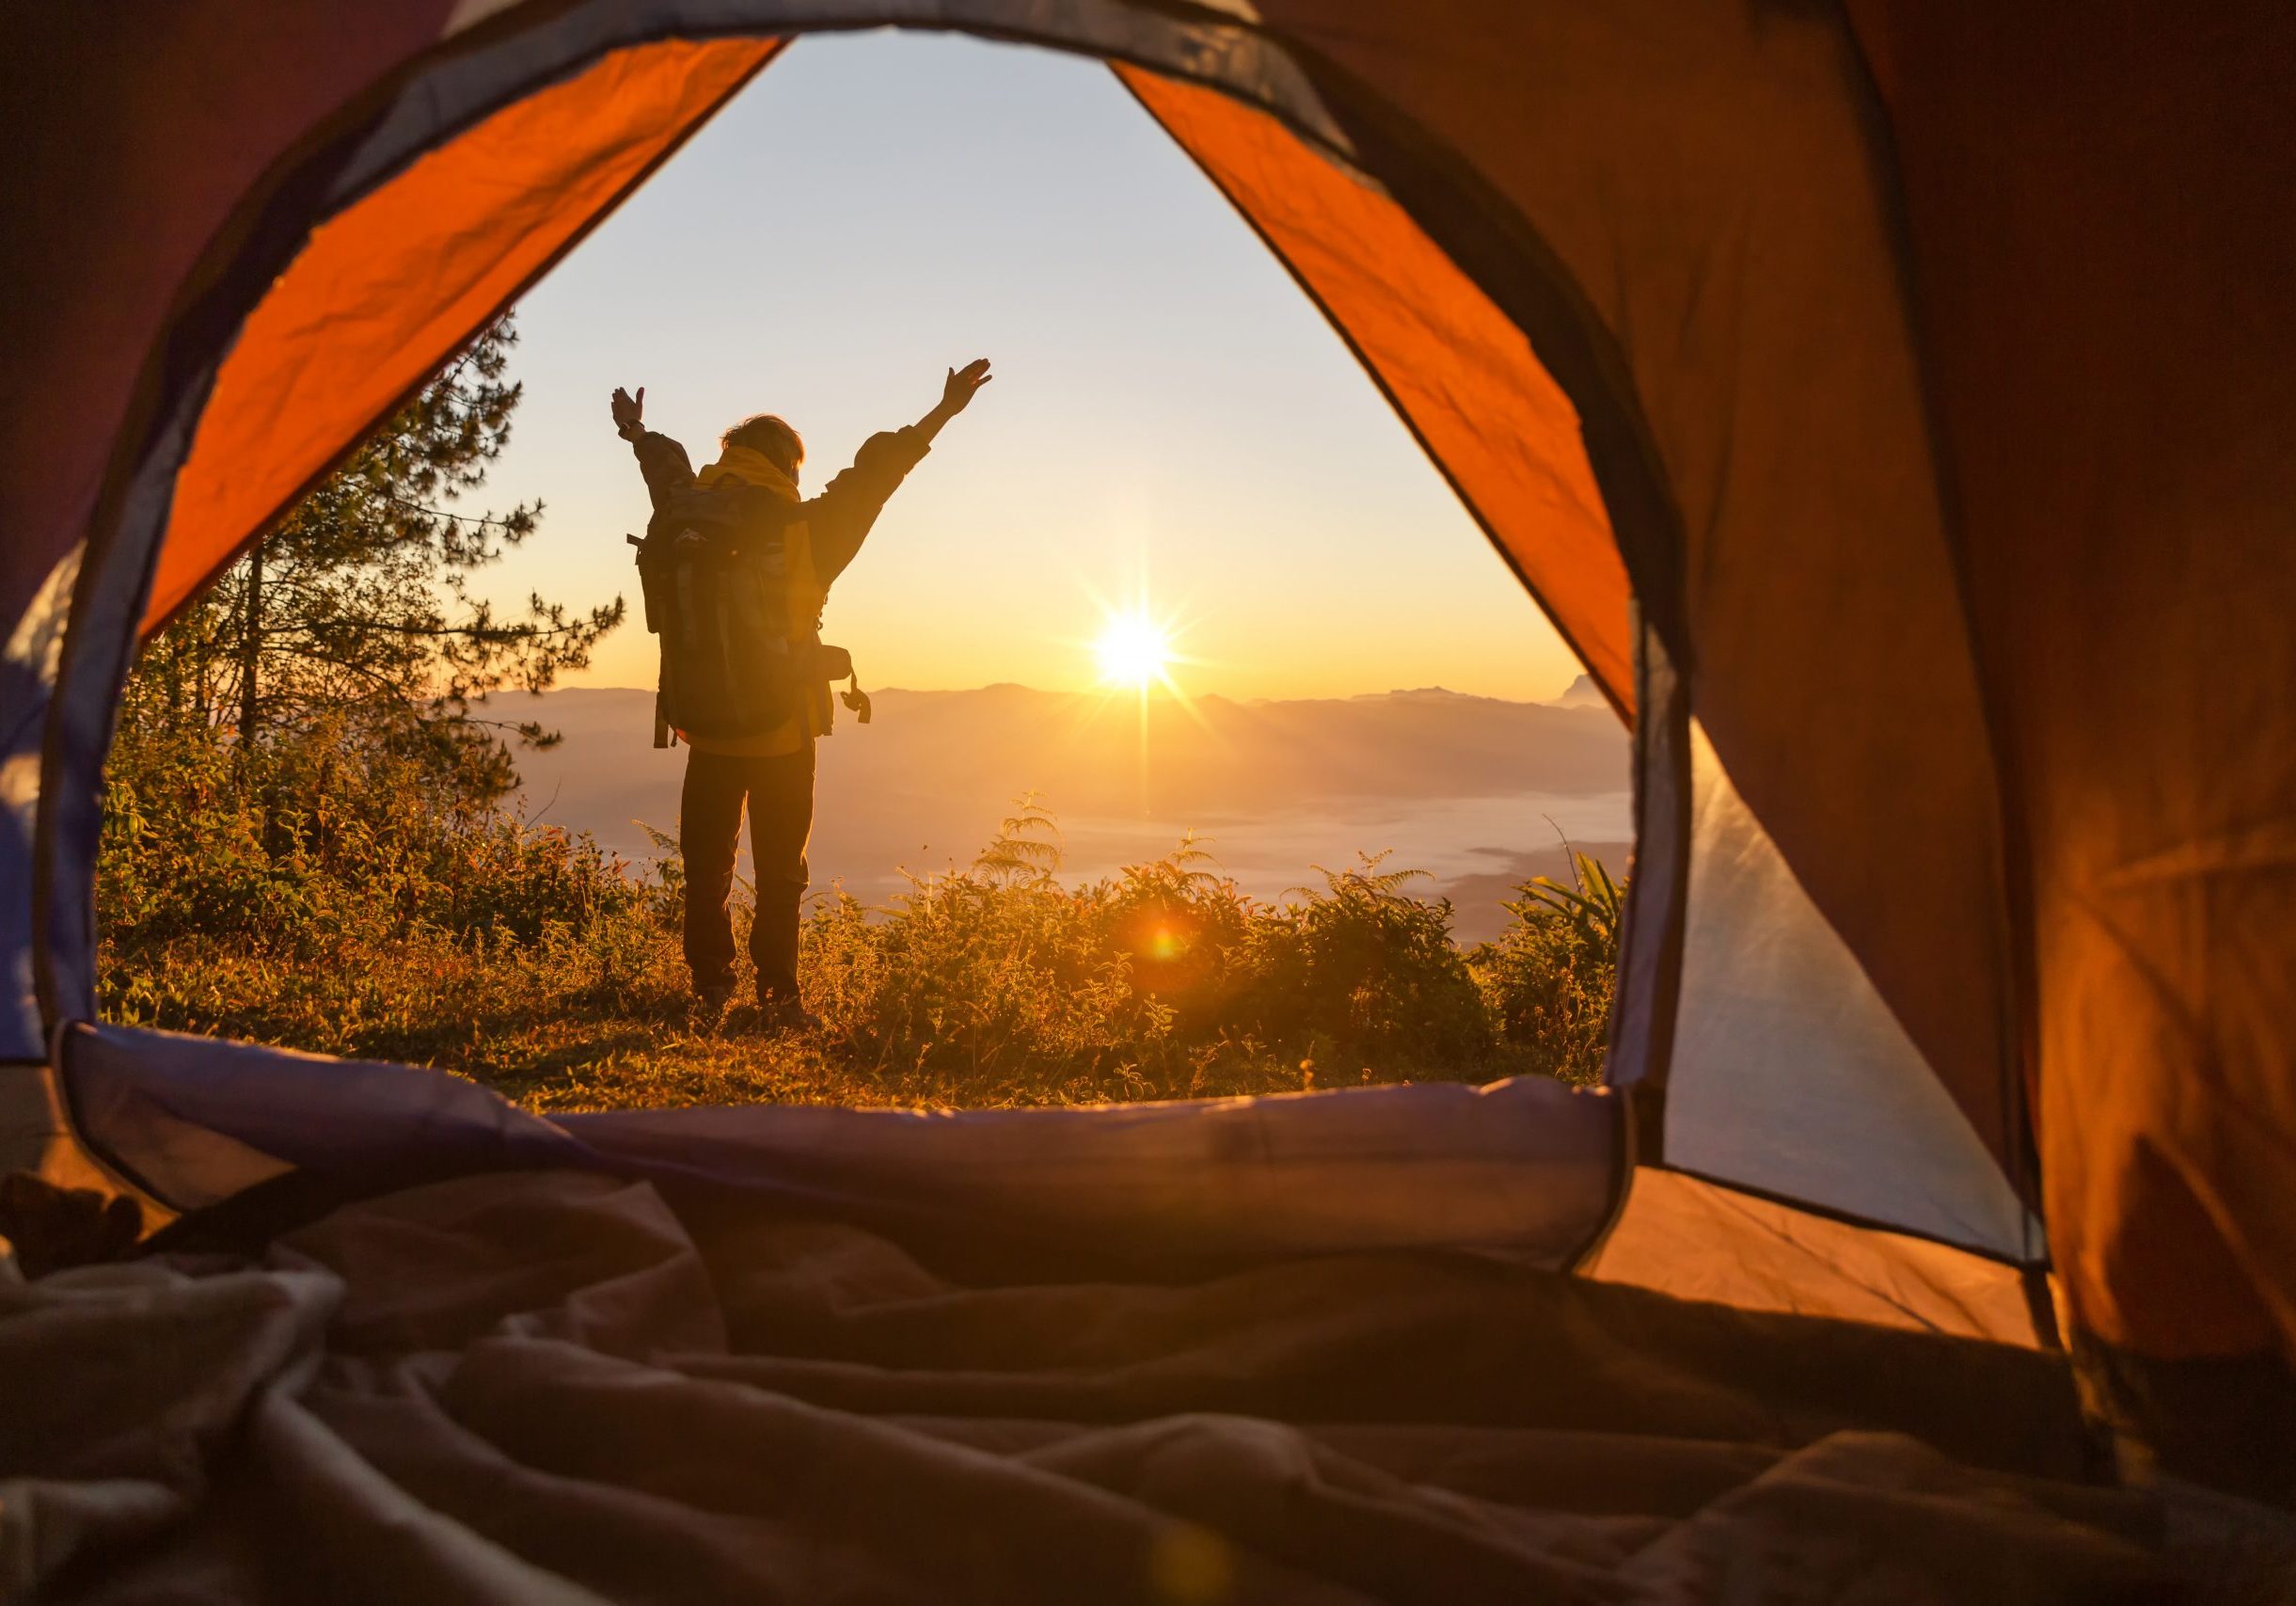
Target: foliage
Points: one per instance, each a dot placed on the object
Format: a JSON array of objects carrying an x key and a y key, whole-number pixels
[
  {"x": 305, "y": 843},
  {"x": 380, "y": 919},
  {"x": 354, "y": 610},
  {"x": 1025, "y": 851},
  {"x": 1593, "y": 904},
  {"x": 1547, "y": 981},
  {"x": 1364, "y": 970}
]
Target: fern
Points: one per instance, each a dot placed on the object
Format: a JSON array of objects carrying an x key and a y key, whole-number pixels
[
  {"x": 1366, "y": 880},
  {"x": 1025, "y": 851},
  {"x": 1594, "y": 905}
]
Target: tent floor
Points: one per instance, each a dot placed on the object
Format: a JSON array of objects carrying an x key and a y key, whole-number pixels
[{"x": 539, "y": 1385}]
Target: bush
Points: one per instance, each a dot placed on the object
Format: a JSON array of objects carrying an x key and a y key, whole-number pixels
[
  {"x": 1548, "y": 980},
  {"x": 316, "y": 894},
  {"x": 1364, "y": 972},
  {"x": 303, "y": 841},
  {"x": 998, "y": 985},
  {"x": 324, "y": 892}
]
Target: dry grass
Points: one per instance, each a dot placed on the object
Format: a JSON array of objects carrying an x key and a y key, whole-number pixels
[{"x": 324, "y": 905}]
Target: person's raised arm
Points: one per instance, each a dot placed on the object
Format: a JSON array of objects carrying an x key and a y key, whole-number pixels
[
  {"x": 660, "y": 459},
  {"x": 957, "y": 391},
  {"x": 848, "y": 505}
]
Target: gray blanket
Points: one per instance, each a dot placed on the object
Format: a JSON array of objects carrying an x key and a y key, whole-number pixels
[{"x": 553, "y": 1386}]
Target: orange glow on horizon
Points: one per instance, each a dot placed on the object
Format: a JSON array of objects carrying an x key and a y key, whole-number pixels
[{"x": 1136, "y": 651}]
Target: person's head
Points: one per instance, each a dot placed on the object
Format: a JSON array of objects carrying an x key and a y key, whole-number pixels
[{"x": 766, "y": 434}]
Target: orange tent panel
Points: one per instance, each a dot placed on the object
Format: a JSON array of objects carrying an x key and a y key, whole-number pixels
[
  {"x": 2100, "y": 227},
  {"x": 1461, "y": 373},
  {"x": 386, "y": 291}
]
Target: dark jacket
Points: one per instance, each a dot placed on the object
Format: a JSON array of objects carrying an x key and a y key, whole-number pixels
[
  {"x": 834, "y": 523},
  {"x": 839, "y": 517}
]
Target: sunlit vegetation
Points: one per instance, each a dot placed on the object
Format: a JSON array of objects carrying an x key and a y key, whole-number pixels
[
  {"x": 314, "y": 892},
  {"x": 357, "y": 608},
  {"x": 308, "y": 843}
]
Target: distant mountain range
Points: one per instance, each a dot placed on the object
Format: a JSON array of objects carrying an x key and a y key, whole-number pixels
[
  {"x": 1463, "y": 786},
  {"x": 1582, "y": 694}
]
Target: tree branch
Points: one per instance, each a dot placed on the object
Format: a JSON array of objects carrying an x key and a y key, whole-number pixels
[{"x": 430, "y": 511}]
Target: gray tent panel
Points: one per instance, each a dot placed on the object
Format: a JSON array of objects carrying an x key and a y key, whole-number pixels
[{"x": 1789, "y": 1074}]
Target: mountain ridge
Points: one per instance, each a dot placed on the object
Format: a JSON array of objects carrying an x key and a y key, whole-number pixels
[{"x": 1460, "y": 784}]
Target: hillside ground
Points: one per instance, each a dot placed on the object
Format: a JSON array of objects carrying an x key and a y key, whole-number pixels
[{"x": 324, "y": 905}]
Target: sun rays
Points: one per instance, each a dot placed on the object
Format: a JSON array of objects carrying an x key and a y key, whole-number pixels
[
  {"x": 1138, "y": 646},
  {"x": 1135, "y": 653},
  {"x": 1132, "y": 650}
]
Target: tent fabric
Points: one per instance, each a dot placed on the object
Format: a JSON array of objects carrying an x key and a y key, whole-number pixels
[
  {"x": 158, "y": 125},
  {"x": 1712, "y": 181},
  {"x": 563, "y": 1388},
  {"x": 1461, "y": 375},
  {"x": 1701, "y": 1240},
  {"x": 1940, "y": 432},
  {"x": 1524, "y": 1168},
  {"x": 28, "y": 666},
  {"x": 37, "y": 1134},
  {"x": 385, "y": 293},
  {"x": 1646, "y": 984},
  {"x": 1854, "y": 398},
  {"x": 1789, "y": 1075},
  {"x": 2099, "y": 232}
]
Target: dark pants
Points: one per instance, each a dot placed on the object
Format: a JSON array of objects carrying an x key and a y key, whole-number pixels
[{"x": 780, "y": 793}]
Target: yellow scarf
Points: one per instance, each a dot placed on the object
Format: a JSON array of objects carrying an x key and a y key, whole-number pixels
[
  {"x": 750, "y": 467},
  {"x": 747, "y": 466}
]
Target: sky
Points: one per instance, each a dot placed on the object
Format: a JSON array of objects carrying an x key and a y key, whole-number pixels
[{"x": 1172, "y": 429}]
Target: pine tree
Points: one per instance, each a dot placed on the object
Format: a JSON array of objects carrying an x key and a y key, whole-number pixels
[{"x": 357, "y": 608}]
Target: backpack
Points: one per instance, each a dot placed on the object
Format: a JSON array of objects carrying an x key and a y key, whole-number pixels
[{"x": 714, "y": 583}]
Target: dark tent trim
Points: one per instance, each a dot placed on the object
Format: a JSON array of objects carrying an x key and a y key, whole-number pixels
[
  {"x": 1386, "y": 391},
  {"x": 502, "y": 61},
  {"x": 548, "y": 266},
  {"x": 1489, "y": 242},
  {"x": 1649, "y": 986},
  {"x": 2012, "y": 936}
]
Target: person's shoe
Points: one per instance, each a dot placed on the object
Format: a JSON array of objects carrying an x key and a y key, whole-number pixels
[
  {"x": 709, "y": 1002},
  {"x": 780, "y": 1012}
]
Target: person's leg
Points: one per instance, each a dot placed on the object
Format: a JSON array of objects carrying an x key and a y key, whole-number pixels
[
  {"x": 780, "y": 819},
  {"x": 708, "y": 834}
]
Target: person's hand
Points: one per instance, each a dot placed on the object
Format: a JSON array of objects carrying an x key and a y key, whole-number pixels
[
  {"x": 629, "y": 411},
  {"x": 962, "y": 385}
]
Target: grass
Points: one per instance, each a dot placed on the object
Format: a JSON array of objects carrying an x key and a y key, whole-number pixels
[{"x": 318, "y": 897}]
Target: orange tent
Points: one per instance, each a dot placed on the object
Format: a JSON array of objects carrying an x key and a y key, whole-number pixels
[{"x": 1890, "y": 408}]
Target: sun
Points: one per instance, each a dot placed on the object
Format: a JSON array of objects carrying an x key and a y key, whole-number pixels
[{"x": 1134, "y": 650}]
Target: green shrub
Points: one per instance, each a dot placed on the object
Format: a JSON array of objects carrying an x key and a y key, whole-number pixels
[
  {"x": 327, "y": 835},
  {"x": 1547, "y": 980},
  {"x": 318, "y": 894},
  {"x": 1363, "y": 972}
]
